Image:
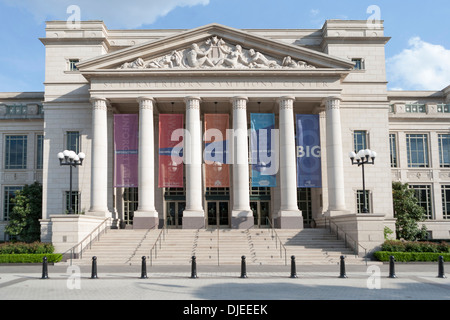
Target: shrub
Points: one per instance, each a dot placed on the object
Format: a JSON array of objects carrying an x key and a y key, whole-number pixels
[
  {"x": 411, "y": 256},
  {"x": 26, "y": 248},
  {"x": 415, "y": 246},
  {"x": 30, "y": 258}
]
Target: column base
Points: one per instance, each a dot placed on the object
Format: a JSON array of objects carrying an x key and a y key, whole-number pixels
[
  {"x": 242, "y": 219},
  {"x": 289, "y": 219},
  {"x": 336, "y": 213},
  {"x": 99, "y": 213},
  {"x": 193, "y": 219},
  {"x": 145, "y": 220}
]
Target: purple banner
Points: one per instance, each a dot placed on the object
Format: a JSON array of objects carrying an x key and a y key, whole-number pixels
[{"x": 126, "y": 145}]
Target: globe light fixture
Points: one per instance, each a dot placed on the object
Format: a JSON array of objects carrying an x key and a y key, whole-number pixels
[
  {"x": 360, "y": 159},
  {"x": 71, "y": 159}
]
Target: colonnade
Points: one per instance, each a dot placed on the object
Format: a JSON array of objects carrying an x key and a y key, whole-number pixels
[{"x": 194, "y": 215}]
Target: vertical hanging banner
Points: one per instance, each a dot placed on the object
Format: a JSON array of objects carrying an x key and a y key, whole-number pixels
[
  {"x": 309, "y": 171},
  {"x": 171, "y": 140},
  {"x": 126, "y": 145},
  {"x": 263, "y": 150},
  {"x": 217, "y": 171}
]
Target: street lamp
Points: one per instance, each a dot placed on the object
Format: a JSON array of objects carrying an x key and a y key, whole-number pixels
[
  {"x": 71, "y": 159},
  {"x": 362, "y": 158}
]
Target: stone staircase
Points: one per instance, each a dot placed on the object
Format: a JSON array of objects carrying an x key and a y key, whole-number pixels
[{"x": 218, "y": 247}]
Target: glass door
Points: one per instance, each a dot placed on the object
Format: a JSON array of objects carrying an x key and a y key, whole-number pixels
[
  {"x": 174, "y": 214},
  {"x": 218, "y": 214},
  {"x": 261, "y": 213}
]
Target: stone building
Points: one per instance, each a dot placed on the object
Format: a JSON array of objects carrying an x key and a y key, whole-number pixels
[{"x": 336, "y": 73}]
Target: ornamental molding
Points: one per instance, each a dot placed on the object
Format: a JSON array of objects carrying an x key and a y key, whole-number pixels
[{"x": 215, "y": 53}]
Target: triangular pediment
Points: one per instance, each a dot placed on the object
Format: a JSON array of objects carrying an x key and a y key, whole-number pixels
[{"x": 213, "y": 47}]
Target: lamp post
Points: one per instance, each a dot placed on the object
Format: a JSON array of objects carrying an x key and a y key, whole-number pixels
[
  {"x": 71, "y": 159},
  {"x": 362, "y": 158}
]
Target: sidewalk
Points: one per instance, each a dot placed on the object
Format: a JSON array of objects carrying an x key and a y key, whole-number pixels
[{"x": 414, "y": 282}]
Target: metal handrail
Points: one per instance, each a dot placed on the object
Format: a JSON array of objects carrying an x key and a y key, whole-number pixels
[
  {"x": 162, "y": 234},
  {"x": 355, "y": 248},
  {"x": 276, "y": 243},
  {"x": 97, "y": 237}
]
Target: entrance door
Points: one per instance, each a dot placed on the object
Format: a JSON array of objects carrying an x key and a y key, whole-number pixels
[
  {"x": 218, "y": 214},
  {"x": 261, "y": 211},
  {"x": 174, "y": 214}
]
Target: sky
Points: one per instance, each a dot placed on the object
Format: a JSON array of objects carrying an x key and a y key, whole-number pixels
[{"x": 417, "y": 56}]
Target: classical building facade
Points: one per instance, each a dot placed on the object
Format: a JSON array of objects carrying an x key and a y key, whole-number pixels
[{"x": 196, "y": 76}]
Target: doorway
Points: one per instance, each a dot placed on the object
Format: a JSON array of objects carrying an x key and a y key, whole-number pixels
[
  {"x": 174, "y": 214},
  {"x": 261, "y": 213},
  {"x": 218, "y": 214}
]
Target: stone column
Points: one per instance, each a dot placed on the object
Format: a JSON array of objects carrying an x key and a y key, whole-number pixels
[
  {"x": 99, "y": 152},
  {"x": 335, "y": 165},
  {"x": 193, "y": 215},
  {"x": 241, "y": 215},
  {"x": 146, "y": 216},
  {"x": 289, "y": 216}
]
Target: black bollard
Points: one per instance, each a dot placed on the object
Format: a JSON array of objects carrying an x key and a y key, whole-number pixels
[
  {"x": 243, "y": 268},
  {"x": 44, "y": 268},
  {"x": 392, "y": 267},
  {"x": 342, "y": 269},
  {"x": 144, "y": 268},
  {"x": 194, "y": 268},
  {"x": 293, "y": 269},
  {"x": 94, "y": 268},
  {"x": 441, "y": 273}
]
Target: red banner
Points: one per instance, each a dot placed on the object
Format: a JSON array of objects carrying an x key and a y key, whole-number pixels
[
  {"x": 217, "y": 172},
  {"x": 171, "y": 150}
]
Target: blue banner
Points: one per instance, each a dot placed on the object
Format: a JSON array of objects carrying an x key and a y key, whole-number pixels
[
  {"x": 264, "y": 156},
  {"x": 309, "y": 170}
]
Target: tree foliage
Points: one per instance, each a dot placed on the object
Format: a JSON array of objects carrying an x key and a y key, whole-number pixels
[
  {"x": 25, "y": 215},
  {"x": 408, "y": 213}
]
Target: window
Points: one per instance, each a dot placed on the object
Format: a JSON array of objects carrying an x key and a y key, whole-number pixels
[
  {"x": 8, "y": 195},
  {"x": 446, "y": 201},
  {"x": 39, "y": 151},
  {"x": 73, "y": 141},
  {"x": 443, "y": 108},
  {"x": 444, "y": 150},
  {"x": 359, "y": 63},
  {"x": 393, "y": 149},
  {"x": 423, "y": 195},
  {"x": 72, "y": 64},
  {"x": 415, "y": 108},
  {"x": 360, "y": 203},
  {"x": 16, "y": 152},
  {"x": 360, "y": 140},
  {"x": 417, "y": 150},
  {"x": 75, "y": 201},
  {"x": 16, "y": 110}
]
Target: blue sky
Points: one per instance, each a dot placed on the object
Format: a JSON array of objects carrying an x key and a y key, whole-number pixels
[{"x": 418, "y": 55}]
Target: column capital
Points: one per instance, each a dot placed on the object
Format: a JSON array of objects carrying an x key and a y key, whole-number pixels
[
  {"x": 239, "y": 102},
  {"x": 285, "y": 98},
  {"x": 146, "y": 103},
  {"x": 100, "y": 103},
  {"x": 286, "y": 102},
  {"x": 332, "y": 102},
  {"x": 145, "y": 98},
  {"x": 192, "y": 102}
]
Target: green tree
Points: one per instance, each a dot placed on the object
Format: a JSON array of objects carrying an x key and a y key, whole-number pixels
[
  {"x": 26, "y": 212},
  {"x": 408, "y": 213}
]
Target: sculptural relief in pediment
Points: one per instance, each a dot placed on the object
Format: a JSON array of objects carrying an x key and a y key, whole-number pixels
[{"x": 216, "y": 53}]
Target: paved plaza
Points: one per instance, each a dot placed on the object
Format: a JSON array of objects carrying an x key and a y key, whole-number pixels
[{"x": 413, "y": 282}]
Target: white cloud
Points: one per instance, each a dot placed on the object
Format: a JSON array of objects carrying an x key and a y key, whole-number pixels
[
  {"x": 115, "y": 13},
  {"x": 422, "y": 66}
]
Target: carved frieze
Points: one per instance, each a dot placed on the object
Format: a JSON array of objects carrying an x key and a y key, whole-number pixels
[{"x": 216, "y": 53}]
